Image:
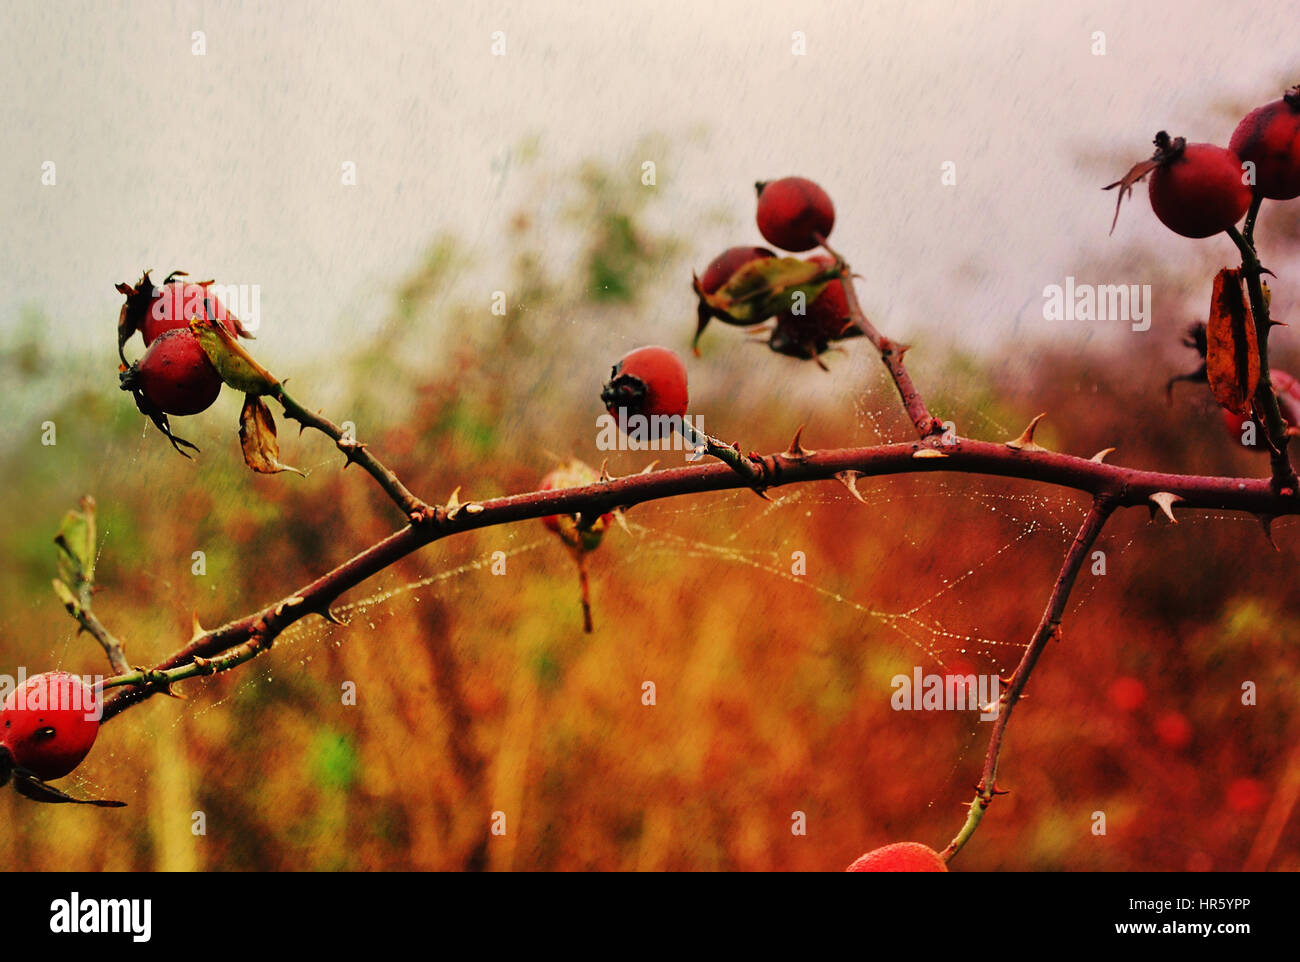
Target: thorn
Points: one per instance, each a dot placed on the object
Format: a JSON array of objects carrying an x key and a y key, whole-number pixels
[
  {"x": 197, "y": 630},
  {"x": 621, "y": 520},
  {"x": 332, "y": 618},
  {"x": 649, "y": 467},
  {"x": 928, "y": 453},
  {"x": 901, "y": 349},
  {"x": 453, "y": 505},
  {"x": 604, "y": 470},
  {"x": 1164, "y": 500},
  {"x": 1100, "y": 456},
  {"x": 1266, "y": 520},
  {"x": 1026, "y": 440},
  {"x": 796, "y": 451},
  {"x": 350, "y": 450},
  {"x": 850, "y": 480},
  {"x": 1000, "y": 791}
]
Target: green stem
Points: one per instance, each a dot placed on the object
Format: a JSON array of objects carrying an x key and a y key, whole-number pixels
[{"x": 162, "y": 679}]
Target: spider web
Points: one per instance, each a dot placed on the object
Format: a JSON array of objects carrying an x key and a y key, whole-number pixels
[{"x": 932, "y": 628}]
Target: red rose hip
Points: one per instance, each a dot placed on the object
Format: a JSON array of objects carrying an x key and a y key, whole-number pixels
[
  {"x": 1197, "y": 189},
  {"x": 49, "y": 723},
  {"x": 650, "y": 381},
  {"x": 722, "y": 267},
  {"x": 1269, "y": 138},
  {"x": 900, "y": 857},
  {"x": 176, "y": 376},
  {"x": 793, "y": 212},
  {"x": 176, "y": 303}
]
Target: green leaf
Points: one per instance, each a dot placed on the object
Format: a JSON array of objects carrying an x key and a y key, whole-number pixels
[
  {"x": 768, "y": 285},
  {"x": 235, "y": 365},
  {"x": 68, "y": 598},
  {"x": 76, "y": 541}
]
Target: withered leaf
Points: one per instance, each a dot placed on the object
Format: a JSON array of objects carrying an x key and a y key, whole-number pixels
[
  {"x": 257, "y": 438},
  {"x": 1232, "y": 352}
]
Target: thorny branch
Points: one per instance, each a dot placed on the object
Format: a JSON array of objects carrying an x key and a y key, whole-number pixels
[
  {"x": 1110, "y": 486},
  {"x": 1048, "y": 628},
  {"x": 414, "y": 509}
]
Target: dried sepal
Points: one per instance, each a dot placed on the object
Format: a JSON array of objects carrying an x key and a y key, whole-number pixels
[{"x": 1166, "y": 150}]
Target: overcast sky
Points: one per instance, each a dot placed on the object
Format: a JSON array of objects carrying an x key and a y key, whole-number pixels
[{"x": 229, "y": 163}]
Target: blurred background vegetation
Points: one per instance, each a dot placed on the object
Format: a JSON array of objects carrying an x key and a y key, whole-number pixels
[{"x": 479, "y": 693}]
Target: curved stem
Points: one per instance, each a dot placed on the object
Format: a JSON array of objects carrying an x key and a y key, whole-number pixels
[
  {"x": 891, "y": 353},
  {"x": 1049, "y": 627},
  {"x": 415, "y": 510},
  {"x": 1265, "y": 401}
]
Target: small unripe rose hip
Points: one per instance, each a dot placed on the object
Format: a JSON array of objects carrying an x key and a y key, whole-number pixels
[
  {"x": 1197, "y": 191},
  {"x": 900, "y": 857},
  {"x": 722, "y": 267},
  {"x": 49, "y": 723},
  {"x": 573, "y": 475},
  {"x": 1269, "y": 137},
  {"x": 825, "y": 320},
  {"x": 176, "y": 303},
  {"x": 1287, "y": 390},
  {"x": 650, "y": 381},
  {"x": 176, "y": 376},
  {"x": 793, "y": 212}
]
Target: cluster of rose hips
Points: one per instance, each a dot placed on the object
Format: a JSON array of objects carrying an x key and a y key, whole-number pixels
[
  {"x": 174, "y": 375},
  {"x": 1199, "y": 190},
  {"x": 749, "y": 286}
]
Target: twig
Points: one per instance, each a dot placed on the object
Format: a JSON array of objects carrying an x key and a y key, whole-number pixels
[
  {"x": 86, "y": 618},
  {"x": 416, "y": 511},
  {"x": 1048, "y": 628},
  {"x": 891, "y": 353}
]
